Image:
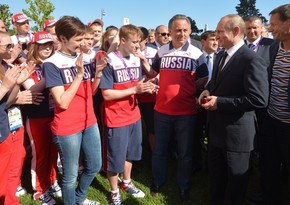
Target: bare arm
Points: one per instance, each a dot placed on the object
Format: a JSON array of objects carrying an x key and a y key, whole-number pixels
[
  {"x": 141, "y": 87},
  {"x": 12, "y": 96},
  {"x": 9, "y": 80},
  {"x": 29, "y": 84},
  {"x": 145, "y": 65}
]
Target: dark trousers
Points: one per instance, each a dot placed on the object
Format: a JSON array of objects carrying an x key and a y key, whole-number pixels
[
  {"x": 183, "y": 127},
  {"x": 229, "y": 176},
  {"x": 275, "y": 149},
  {"x": 200, "y": 129}
]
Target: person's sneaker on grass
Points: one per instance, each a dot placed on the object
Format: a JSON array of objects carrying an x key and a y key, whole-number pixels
[
  {"x": 55, "y": 190},
  {"x": 46, "y": 199},
  {"x": 90, "y": 202},
  {"x": 20, "y": 191},
  {"x": 116, "y": 198},
  {"x": 131, "y": 189}
]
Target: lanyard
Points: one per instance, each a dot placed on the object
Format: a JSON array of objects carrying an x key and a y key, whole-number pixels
[
  {"x": 29, "y": 36},
  {"x": 125, "y": 65}
]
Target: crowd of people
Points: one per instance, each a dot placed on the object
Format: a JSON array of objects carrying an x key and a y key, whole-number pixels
[{"x": 74, "y": 95}]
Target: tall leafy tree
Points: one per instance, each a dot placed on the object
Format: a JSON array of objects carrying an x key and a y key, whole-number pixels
[
  {"x": 248, "y": 8},
  {"x": 194, "y": 28},
  {"x": 38, "y": 11},
  {"x": 5, "y": 15}
]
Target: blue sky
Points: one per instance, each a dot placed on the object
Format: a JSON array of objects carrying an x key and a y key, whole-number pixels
[{"x": 148, "y": 13}]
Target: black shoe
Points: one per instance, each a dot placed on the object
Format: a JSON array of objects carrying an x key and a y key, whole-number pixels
[
  {"x": 184, "y": 195},
  {"x": 154, "y": 190}
]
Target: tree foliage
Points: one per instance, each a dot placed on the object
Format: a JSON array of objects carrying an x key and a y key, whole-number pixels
[
  {"x": 5, "y": 15},
  {"x": 194, "y": 28},
  {"x": 39, "y": 11},
  {"x": 248, "y": 8}
]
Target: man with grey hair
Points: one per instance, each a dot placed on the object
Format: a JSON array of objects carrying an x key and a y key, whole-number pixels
[
  {"x": 237, "y": 88},
  {"x": 182, "y": 71}
]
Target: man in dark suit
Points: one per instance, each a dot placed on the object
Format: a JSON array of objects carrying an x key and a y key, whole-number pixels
[
  {"x": 254, "y": 39},
  {"x": 260, "y": 45},
  {"x": 238, "y": 86},
  {"x": 275, "y": 132},
  {"x": 161, "y": 37}
]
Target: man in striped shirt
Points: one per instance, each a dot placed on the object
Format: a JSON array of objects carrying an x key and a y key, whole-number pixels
[{"x": 275, "y": 133}]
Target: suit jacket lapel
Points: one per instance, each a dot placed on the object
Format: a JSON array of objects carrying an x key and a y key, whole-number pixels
[
  {"x": 215, "y": 67},
  {"x": 226, "y": 69}
]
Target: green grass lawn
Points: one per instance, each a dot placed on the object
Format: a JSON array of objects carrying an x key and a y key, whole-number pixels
[{"x": 99, "y": 189}]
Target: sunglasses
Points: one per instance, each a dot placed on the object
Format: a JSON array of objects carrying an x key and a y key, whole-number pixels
[
  {"x": 8, "y": 46},
  {"x": 165, "y": 34}
]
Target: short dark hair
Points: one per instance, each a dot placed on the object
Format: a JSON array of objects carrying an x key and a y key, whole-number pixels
[
  {"x": 144, "y": 32},
  {"x": 69, "y": 26},
  {"x": 111, "y": 26},
  {"x": 283, "y": 11},
  {"x": 206, "y": 34},
  {"x": 252, "y": 18}
]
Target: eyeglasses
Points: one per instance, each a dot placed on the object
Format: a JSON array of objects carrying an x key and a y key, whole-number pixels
[
  {"x": 8, "y": 46},
  {"x": 165, "y": 34}
]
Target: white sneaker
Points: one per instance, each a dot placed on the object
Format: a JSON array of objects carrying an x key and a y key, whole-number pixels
[
  {"x": 131, "y": 189},
  {"x": 45, "y": 199},
  {"x": 90, "y": 202},
  {"x": 20, "y": 191},
  {"x": 55, "y": 190}
]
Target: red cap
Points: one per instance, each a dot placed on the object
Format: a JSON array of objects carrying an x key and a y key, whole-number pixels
[
  {"x": 99, "y": 21},
  {"x": 19, "y": 18},
  {"x": 48, "y": 22},
  {"x": 42, "y": 37}
]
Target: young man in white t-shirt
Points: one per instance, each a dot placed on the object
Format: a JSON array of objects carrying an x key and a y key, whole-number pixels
[{"x": 20, "y": 23}]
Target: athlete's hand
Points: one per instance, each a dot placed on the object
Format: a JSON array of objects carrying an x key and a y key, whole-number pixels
[
  {"x": 26, "y": 71},
  {"x": 154, "y": 85},
  {"x": 80, "y": 65},
  {"x": 29, "y": 97},
  {"x": 143, "y": 87},
  {"x": 101, "y": 61},
  {"x": 10, "y": 77},
  {"x": 138, "y": 53}
]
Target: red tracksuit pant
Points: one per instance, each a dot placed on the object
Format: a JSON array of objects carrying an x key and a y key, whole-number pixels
[{"x": 44, "y": 155}]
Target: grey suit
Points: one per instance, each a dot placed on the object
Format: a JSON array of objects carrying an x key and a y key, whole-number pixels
[{"x": 263, "y": 49}]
